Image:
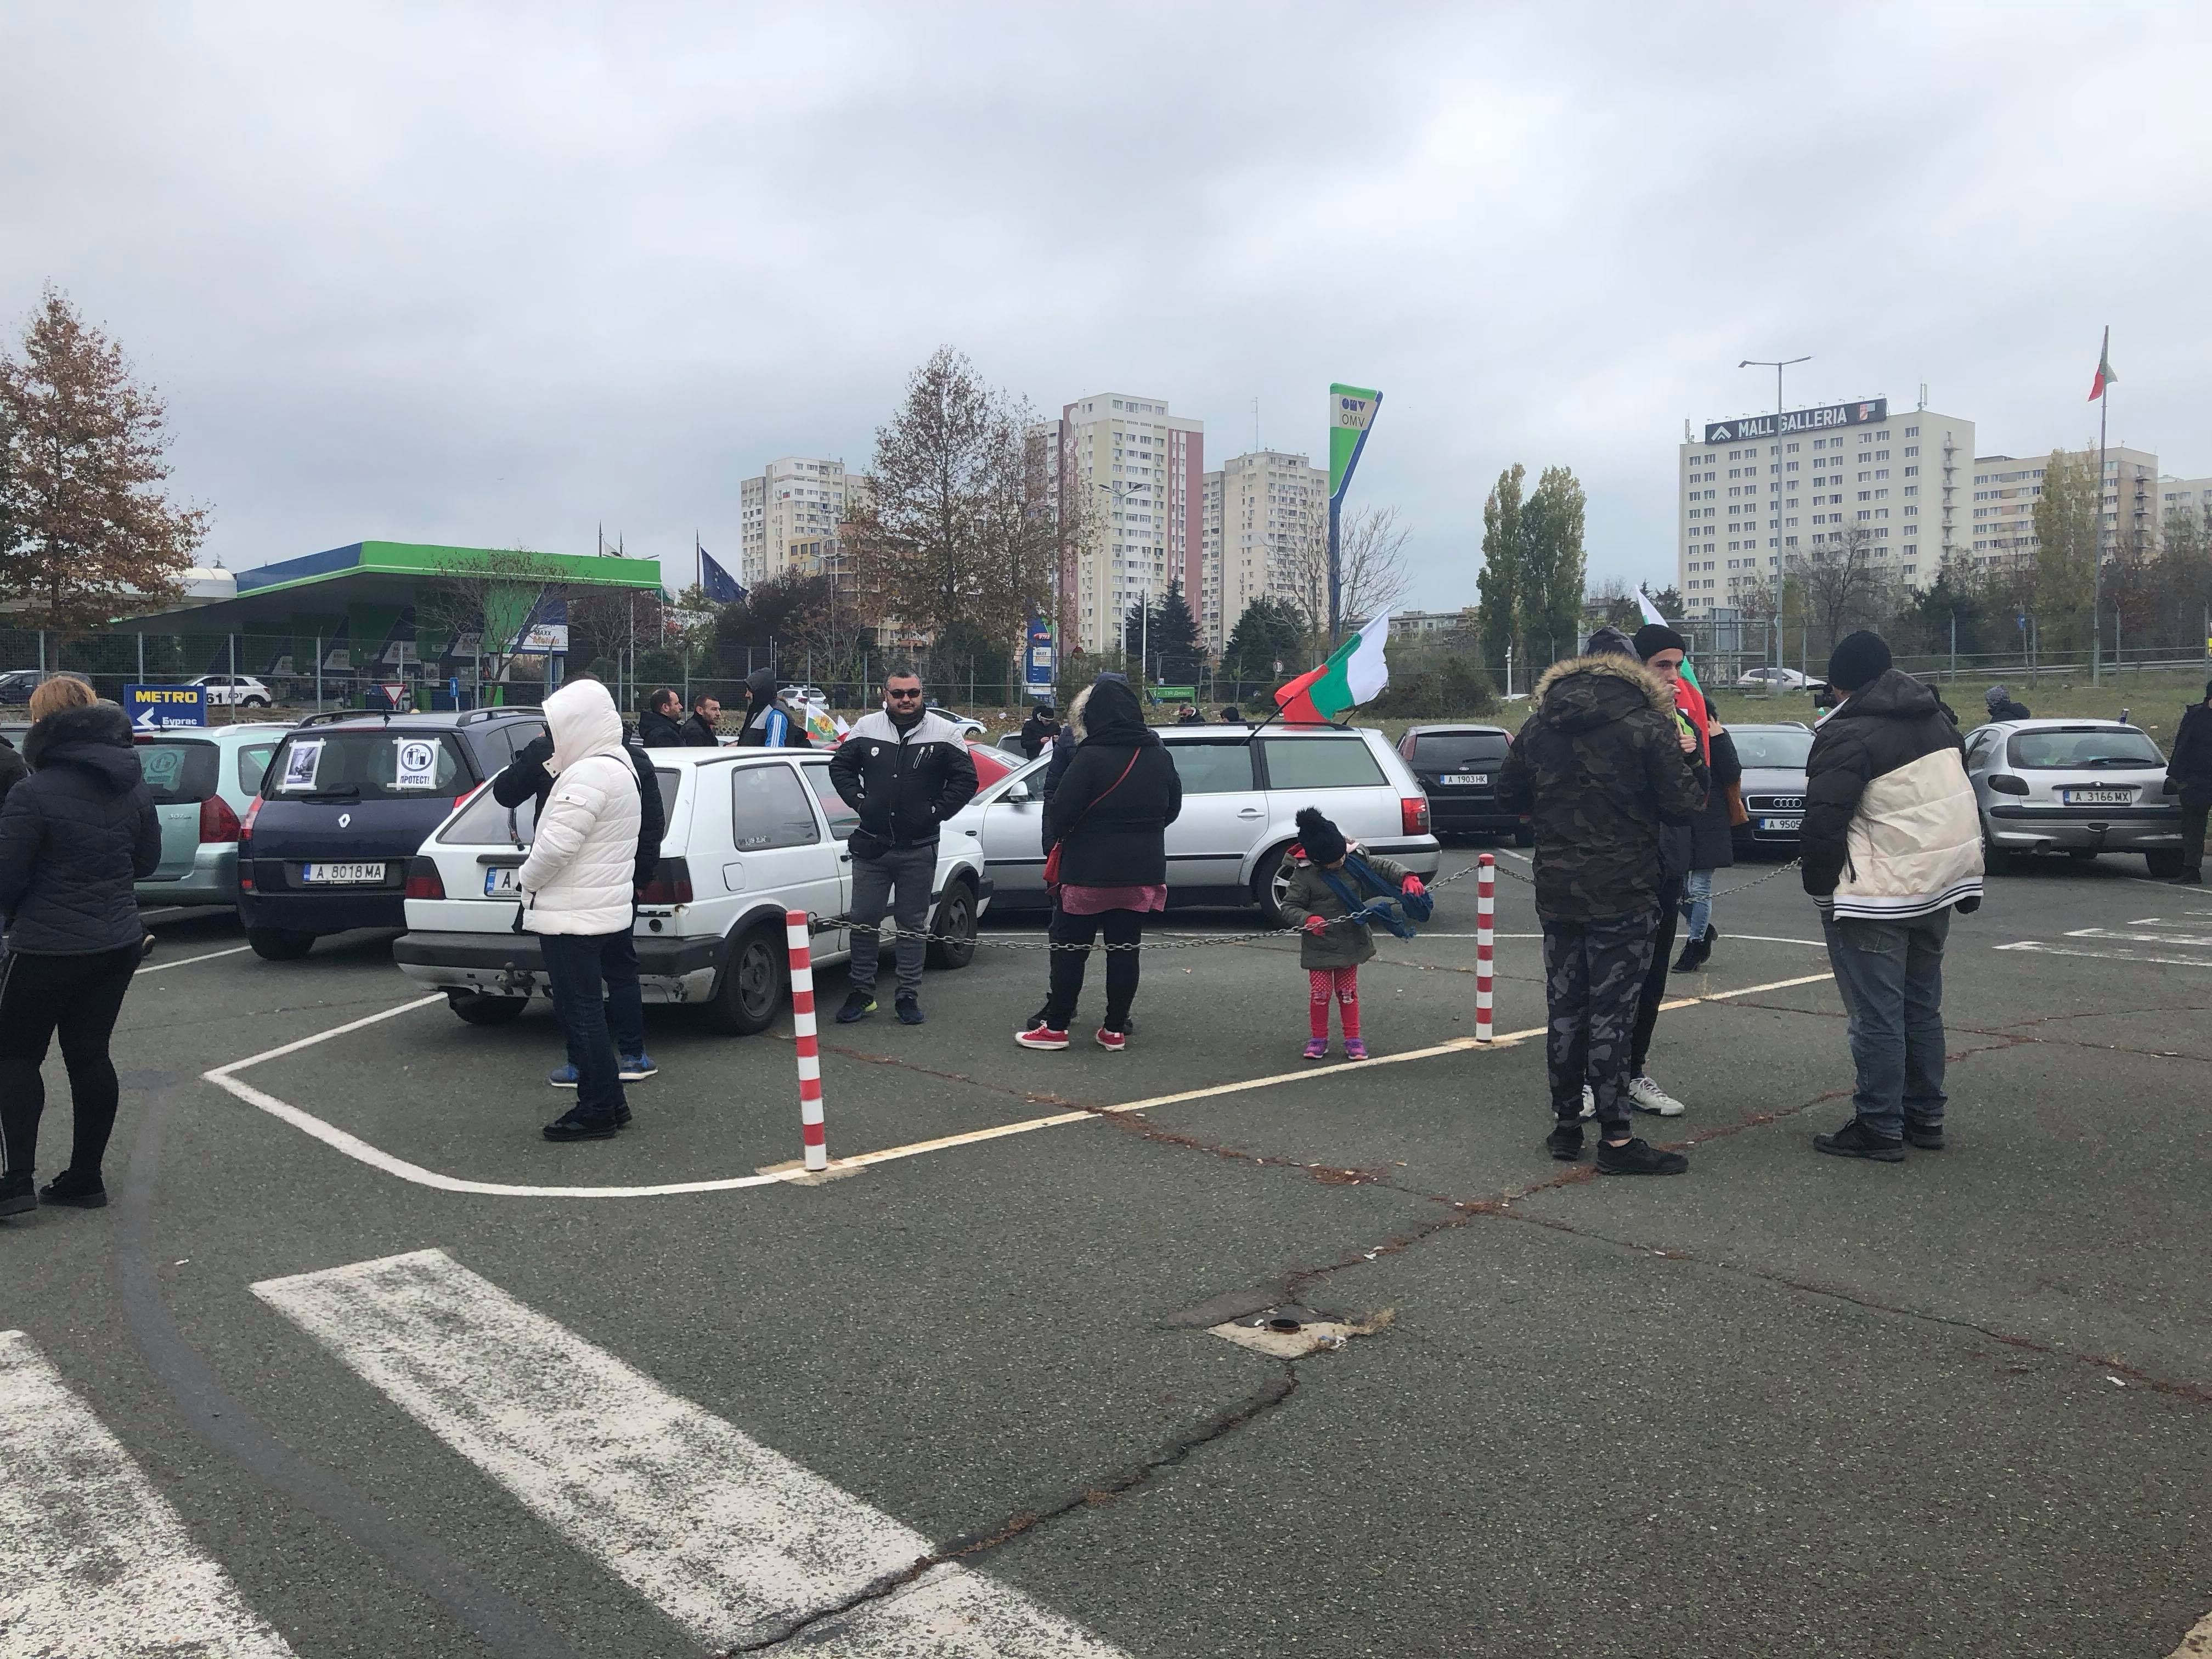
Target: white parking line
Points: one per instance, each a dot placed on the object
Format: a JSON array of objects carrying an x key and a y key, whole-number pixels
[
  {"x": 93, "y": 1561},
  {"x": 187, "y": 962},
  {"x": 2125, "y": 938},
  {"x": 730, "y": 1539},
  {"x": 2040, "y": 948}
]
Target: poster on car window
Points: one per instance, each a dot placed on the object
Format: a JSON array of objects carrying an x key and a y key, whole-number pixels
[
  {"x": 418, "y": 763},
  {"x": 300, "y": 763}
]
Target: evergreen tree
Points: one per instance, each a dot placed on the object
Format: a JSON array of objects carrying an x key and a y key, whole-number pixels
[
  {"x": 1175, "y": 652},
  {"x": 1505, "y": 566},
  {"x": 1140, "y": 625},
  {"x": 1270, "y": 631}
]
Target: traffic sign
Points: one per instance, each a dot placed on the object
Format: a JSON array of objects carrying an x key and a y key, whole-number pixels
[{"x": 158, "y": 708}]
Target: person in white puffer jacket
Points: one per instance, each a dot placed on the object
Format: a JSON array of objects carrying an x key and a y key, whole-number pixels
[{"x": 576, "y": 892}]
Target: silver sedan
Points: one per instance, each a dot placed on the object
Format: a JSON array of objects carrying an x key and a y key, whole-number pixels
[{"x": 2080, "y": 787}]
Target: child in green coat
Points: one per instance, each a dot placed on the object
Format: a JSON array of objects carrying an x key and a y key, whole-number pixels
[{"x": 1335, "y": 943}]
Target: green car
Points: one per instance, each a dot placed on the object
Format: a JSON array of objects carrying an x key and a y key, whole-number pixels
[{"x": 203, "y": 781}]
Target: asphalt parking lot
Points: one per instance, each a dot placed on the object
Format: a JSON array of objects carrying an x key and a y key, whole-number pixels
[{"x": 966, "y": 1400}]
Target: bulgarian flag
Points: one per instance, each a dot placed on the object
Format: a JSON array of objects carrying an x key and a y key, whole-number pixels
[
  {"x": 1651, "y": 615},
  {"x": 2105, "y": 375},
  {"x": 1354, "y": 674},
  {"x": 1689, "y": 695}
]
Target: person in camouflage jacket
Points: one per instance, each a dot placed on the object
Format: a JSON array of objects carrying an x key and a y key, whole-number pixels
[{"x": 1598, "y": 767}]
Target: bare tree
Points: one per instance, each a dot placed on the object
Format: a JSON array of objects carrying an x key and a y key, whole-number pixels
[
  {"x": 485, "y": 604},
  {"x": 1371, "y": 557},
  {"x": 1840, "y": 582}
]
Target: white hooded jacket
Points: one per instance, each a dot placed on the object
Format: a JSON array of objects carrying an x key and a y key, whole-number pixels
[{"x": 577, "y": 877}]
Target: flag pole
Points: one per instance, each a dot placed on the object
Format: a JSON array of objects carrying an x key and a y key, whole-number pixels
[{"x": 2097, "y": 580}]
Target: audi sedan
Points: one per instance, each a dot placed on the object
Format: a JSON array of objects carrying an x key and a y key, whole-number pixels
[
  {"x": 2080, "y": 787},
  {"x": 1773, "y": 786}
]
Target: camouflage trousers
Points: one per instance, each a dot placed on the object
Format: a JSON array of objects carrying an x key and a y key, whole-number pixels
[{"x": 1594, "y": 972}]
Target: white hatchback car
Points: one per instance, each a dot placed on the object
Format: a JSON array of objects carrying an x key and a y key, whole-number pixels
[{"x": 751, "y": 833}]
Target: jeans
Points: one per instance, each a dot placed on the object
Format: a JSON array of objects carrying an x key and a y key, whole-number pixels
[
  {"x": 1697, "y": 904},
  {"x": 907, "y": 870},
  {"x": 1892, "y": 977},
  {"x": 1655, "y": 976},
  {"x": 1594, "y": 972},
  {"x": 1122, "y": 927},
  {"x": 80, "y": 997},
  {"x": 579, "y": 967}
]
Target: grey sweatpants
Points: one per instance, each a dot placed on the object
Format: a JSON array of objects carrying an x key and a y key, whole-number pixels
[{"x": 907, "y": 872}]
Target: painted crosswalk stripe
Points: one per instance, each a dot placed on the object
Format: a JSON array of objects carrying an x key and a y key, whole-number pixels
[
  {"x": 736, "y": 1542},
  {"x": 94, "y": 1562}
]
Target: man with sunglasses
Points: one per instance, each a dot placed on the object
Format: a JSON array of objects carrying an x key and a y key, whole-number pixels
[{"x": 904, "y": 770}]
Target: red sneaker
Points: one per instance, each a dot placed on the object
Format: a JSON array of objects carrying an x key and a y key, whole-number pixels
[
  {"x": 1041, "y": 1036},
  {"x": 1112, "y": 1041}
]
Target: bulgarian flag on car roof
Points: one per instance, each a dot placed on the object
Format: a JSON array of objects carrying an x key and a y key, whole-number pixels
[{"x": 1354, "y": 674}]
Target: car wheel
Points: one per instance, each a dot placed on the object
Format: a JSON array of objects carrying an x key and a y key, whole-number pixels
[
  {"x": 279, "y": 944},
  {"x": 256, "y": 702},
  {"x": 955, "y": 925},
  {"x": 1996, "y": 862},
  {"x": 753, "y": 982},
  {"x": 1270, "y": 886},
  {"x": 2166, "y": 861},
  {"x": 475, "y": 1008},
  {"x": 2082, "y": 855}
]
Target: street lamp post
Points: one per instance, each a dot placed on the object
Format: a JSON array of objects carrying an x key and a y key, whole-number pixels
[{"x": 1777, "y": 366}]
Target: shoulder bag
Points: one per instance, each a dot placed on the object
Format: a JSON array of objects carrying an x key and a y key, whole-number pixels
[{"x": 1052, "y": 858}]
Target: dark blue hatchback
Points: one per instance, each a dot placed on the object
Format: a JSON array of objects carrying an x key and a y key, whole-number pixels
[{"x": 347, "y": 801}]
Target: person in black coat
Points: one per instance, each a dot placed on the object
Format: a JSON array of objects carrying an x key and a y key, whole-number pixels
[
  {"x": 1999, "y": 701},
  {"x": 1039, "y": 729},
  {"x": 2190, "y": 768},
  {"x": 1109, "y": 819},
  {"x": 698, "y": 732},
  {"x": 76, "y": 837},
  {"x": 1712, "y": 846},
  {"x": 657, "y": 728},
  {"x": 12, "y": 770},
  {"x": 769, "y": 724}
]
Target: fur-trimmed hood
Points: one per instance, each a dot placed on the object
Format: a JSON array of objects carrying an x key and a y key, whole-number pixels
[
  {"x": 97, "y": 737},
  {"x": 1582, "y": 693}
]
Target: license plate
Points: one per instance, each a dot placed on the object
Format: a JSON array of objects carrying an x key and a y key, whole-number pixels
[
  {"x": 1464, "y": 778},
  {"x": 342, "y": 873},
  {"x": 498, "y": 883},
  {"x": 1781, "y": 824},
  {"x": 2097, "y": 797}
]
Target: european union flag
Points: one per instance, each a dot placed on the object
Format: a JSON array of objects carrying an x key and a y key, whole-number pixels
[{"x": 718, "y": 583}]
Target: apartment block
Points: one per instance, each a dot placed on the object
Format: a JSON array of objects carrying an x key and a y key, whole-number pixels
[
  {"x": 2007, "y": 488},
  {"x": 1127, "y": 485},
  {"x": 791, "y": 516},
  {"x": 2190, "y": 495},
  {"x": 1760, "y": 488},
  {"x": 1267, "y": 534}
]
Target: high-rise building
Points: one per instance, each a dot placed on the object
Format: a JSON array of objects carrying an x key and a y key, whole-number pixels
[
  {"x": 1757, "y": 490},
  {"x": 2190, "y": 495},
  {"x": 2008, "y": 486},
  {"x": 1266, "y": 536},
  {"x": 1127, "y": 483},
  {"x": 791, "y": 513}
]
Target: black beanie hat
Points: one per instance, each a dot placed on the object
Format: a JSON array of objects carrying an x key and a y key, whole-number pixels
[
  {"x": 1858, "y": 661},
  {"x": 1323, "y": 841},
  {"x": 1609, "y": 642},
  {"x": 1654, "y": 637}
]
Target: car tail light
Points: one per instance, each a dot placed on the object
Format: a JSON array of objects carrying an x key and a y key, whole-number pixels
[
  {"x": 423, "y": 881},
  {"x": 2005, "y": 784},
  {"x": 217, "y": 821},
  {"x": 1413, "y": 814},
  {"x": 670, "y": 883}
]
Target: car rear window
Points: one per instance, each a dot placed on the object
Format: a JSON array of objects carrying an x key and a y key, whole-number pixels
[
  {"x": 252, "y": 763},
  {"x": 1785, "y": 750},
  {"x": 1449, "y": 751},
  {"x": 378, "y": 765},
  {"x": 1213, "y": 769},
  {"x": 179, "y": 771},
  {"x": 485, "y": 823},
  {"x": 1321, "y": 763},
  {"x": 2109, "y": 748}
]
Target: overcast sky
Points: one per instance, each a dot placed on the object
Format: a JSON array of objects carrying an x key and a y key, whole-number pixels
[{"x": 492, "y": 277}]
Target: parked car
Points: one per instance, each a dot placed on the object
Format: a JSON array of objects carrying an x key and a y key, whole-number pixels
[
  {"x": 1241, "y": 794},
  {"x": 1773, "y": 786},
  {"x": 969, "y": 727},
  {"x": 2081, "y": 788},
  {"x": 1774, "y": 679},
  {"x": 1457, "y": 767},
  {"x": 16, "y": 687},
  {"x": 751, "y": 833},
  {"x": 803, "y": 693},
  {"x": 235, "y": 691},
  {"x": 346, "y": 800},
  {"x": 203, "y": 783}
]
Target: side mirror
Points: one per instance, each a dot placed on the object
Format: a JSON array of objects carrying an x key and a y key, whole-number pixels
[{"x": 1019, "y": 792}]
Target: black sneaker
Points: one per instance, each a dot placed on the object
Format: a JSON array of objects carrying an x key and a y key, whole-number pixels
[
  {"x": 909, "y": 1007},
  {"x": 2186, "y": 879},
  {"x": 1854, "y": 1139},
  {"x": 86, "y": 1191},
  {"x": 1929, "y": 1137},
  {"x": 1565, "y": 1142},
  {"x": 17, "y": 1194},
  {"x": 859, "y": 1005},
  {"x": 1637, "y": 1157},
  {"x": 622, "y": 1117},
  {"x": 577, "y": 1125}
]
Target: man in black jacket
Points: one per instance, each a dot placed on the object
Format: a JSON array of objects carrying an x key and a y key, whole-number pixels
[
  {"x": 2190, "y": 768},
  {"x": 1039, "y": 729},
  {"x": 1600, "y": 769},
  {"x": 698, "y": 732},
  {"x": 657, "y": 728},
  {"x": 1998, "y": 701},
  {"x": 905, "y": 771}
]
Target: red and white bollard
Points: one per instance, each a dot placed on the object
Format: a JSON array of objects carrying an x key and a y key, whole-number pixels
[
  {"x": 812, "y": 1130},
  {"x": 1485, "y": 919}
]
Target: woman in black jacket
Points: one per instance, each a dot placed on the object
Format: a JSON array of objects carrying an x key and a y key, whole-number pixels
[
  {"x": 1109, "y": 817},
  {"x": 75, "y": 837},
  {"x": 1712, "y": 846}
]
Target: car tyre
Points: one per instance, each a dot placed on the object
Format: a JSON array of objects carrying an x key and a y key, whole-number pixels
[
  {"x": 955, "y": 925},
  {"x": 754, "y": 980},
  {"x": 2082, "y": 855},
  {"x": 279, "y": 944},
  {"x": 1996, "y": 861},
  {"x": 1270, "y": 887},
  {"x": 256, "y": 702},
  {"x": 2164, "y": 862},
  {"x": 475, "y": 1008}
]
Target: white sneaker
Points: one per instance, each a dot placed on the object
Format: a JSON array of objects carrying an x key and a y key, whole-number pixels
[
  {"x": 1645, "y": 1095},
  {"x": 1590, "y": 1100}
]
